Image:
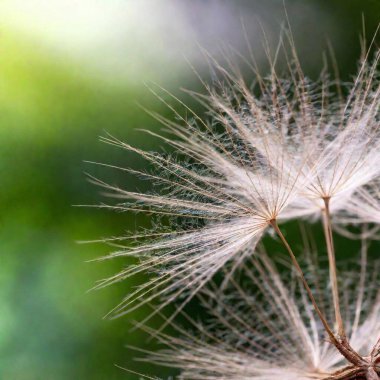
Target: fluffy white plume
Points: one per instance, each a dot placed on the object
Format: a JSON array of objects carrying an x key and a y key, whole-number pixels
[
  {"x": 363, "y": 206},
  {"x": 333, "y": 141},
  {"x": 274, "y": 151},
  {"x": 266, "y": 328}
]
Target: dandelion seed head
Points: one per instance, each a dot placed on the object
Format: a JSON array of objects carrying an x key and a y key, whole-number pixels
[
  {"x": 272, "y": 151},
  {"x": 303, "y": 129},
  {"x": 268, "y": 329}
]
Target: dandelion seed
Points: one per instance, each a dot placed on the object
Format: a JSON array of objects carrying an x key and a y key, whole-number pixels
[
  {"x": 258, "y": 160},
  {"x": 341, "y": 138},
  {"x": 284, "y": 148},
  {"x": 271, "y": 331},
  {"x": 335, "y": 139}
]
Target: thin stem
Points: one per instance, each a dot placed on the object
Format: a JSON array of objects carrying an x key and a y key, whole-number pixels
[
  {"x": 363, "y": 273},
  {"x": 303, "y": 279},
  {"x": 376, "y": 350},
  {"x": 327, "y": 228},
  {"x": 343, "y": 346}
]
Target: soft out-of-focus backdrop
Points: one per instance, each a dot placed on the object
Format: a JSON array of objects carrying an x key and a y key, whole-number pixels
[{"x": 70, "y": 71}]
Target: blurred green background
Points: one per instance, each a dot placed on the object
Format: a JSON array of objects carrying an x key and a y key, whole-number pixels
[{"x": 71, "y": 71}]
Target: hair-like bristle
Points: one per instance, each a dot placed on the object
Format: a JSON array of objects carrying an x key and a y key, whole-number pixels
[
  {"x": 283, "y": 148},
  {"x": 266, "y": 328},
  {"x": 258, "y": 158}
]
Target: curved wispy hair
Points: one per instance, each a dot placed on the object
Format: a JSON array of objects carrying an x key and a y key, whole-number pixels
[
  {"x": 276, "y": 150},
  {"x": 221, "y": 204},
  {"x": 266, "y": 328},
  {"x": 334, "y": 137},
  {"x": 364, "y": 205}
]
